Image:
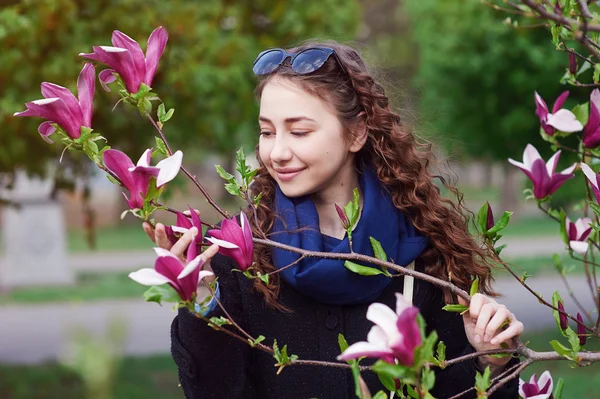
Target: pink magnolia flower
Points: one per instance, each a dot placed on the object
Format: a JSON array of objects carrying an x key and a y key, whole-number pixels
[
  {"x": 560, "y": 118},
  {"x": 394, "y": 336},
  {"x": 591, "y": 132},
  {"x": 578, "y": 233},
  {"x": 136, "y": 178},
  {"x": 182, "y": 225},
  {"x": 59, "y": 106},
  {"x": 535, "y": 389},
  {"x": 168, "y": 268},
  {"x": 593, "y": 178},
  {"x": 127, "y": 59},
  {"x": 545, "y": 180},
  {"x": 234, "y": 240}
]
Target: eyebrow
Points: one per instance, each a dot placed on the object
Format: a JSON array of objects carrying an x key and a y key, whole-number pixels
[{"x": 288, "y": 120}]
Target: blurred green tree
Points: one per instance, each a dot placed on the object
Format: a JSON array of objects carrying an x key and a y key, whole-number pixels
[
  {"x": 205, "y": 73},
  {"x": 476, "y": 78}
]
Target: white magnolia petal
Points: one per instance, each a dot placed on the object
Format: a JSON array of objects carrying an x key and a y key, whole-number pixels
[
  {"x": 582, "y": 225},
  {"x": 148, "y": 276},
  {"x": 143, "y": 161},
  {"x": 384, "y": 317},
  {"x": 169, "y": 168},
  {"x": 595, "y": 98},
  {"x": 589, "y": 173},
  {"x": 518, "y": 164},
  {"x": 190, "y": 267},
  {"x": 569, "y": 170},
  {"x": 580, "y": 247},
  {"x": 565, "y": 121},
  {"x": 401, "y": 304},
  {"x": 111, "y": 49},
  {"x": 543, "y": 380},
  {"x": 530, "y": 155},
  {"x": 204, "y": 273},
  {"x": 377, "y": 336},
  {"x": 164, "y": 252},
  {"x": 364, "y": 349},
  {"x": 552, "y": 162},
  {"x": 178, "y": 229},
  {"x": 221, "y": 243}
]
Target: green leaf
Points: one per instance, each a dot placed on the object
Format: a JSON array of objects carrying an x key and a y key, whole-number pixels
[
  {"x": 482, "y": 217},
  {"x": 233, "y": 189},
  {"x": 168, "y": 115},
  {"x": 482, "y": 381},
  {"x": 502, "y": 223},
  {"x": 219, "y": 321},
  {"x": 391, "y": 370},
  {"x": 428, "y": 379},
  {"x": 558, "y": 390},
  {"x": 561, "y": 349},
  {"x": 388, "y": 382},
  {"x": 264, "y": 278},
  {"x": 342, "y": 343},
  {"x": 574, "y": 341},
  {"x": 499, "y": 248},
  {"x": 160, "y": 146},
  {"x": 474, "y": 286},
  {"x": 595, "y": 208},
  {"x": 145, "y": 107},
  {"x": 596, "y": 75},
  {"x": 441, "y": 352},
  {"x": 380, "y": 395},
  {"x": 224, "y": 174},
  {"x": 161, "y": 293},
  {"x": 362, "y": 270},
  {"x": 458, "y": 308},
  {"x": 241, "y": 165},
  {"x": 378, "y": 249},
  {"x": 411, "y": 392},
  {"x": 558, "y": 263},
  {"x": 581, "y": 111},
  {"x": 256, "y": 341},
  {"x": 160, "y": 112}
]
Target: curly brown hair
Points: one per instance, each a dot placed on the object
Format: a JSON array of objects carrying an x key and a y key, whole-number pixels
[{"x": 403, "y": 163}]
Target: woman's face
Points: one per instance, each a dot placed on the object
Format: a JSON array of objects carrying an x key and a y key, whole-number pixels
[{"x": 301, "y": 141}]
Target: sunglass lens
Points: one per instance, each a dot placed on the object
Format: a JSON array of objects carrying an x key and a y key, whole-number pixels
[
  {"x": 268, "y": 62},
  {"x": 309, "y": 61}
]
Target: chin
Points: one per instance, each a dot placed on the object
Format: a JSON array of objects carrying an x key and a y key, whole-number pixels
[{"x": 293, "y": 190}]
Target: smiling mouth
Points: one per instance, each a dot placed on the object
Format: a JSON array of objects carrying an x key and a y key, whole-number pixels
[{"x": 288, "y": 176}]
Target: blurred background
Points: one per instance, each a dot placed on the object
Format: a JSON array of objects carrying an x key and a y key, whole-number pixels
[{"x": 73, "y": 325}]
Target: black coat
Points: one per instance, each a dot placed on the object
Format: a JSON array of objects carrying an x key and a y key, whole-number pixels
[{"x": 214, "y": 365}]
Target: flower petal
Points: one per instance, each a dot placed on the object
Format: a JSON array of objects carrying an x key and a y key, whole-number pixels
[
  {"x": 55, "y": 109},
  {"x": 552, "y": 162},
  {"x": 121, "y": 61},
  {"x": 565, "y": 121},
  {"x": 361, "y": 349},
  {"x": 589, "y": 173},
  {"x": 560, "y": 101},
  {"x": 579, "y": 246},
  {"x": 46, "y": 129},
  {"x": 119, "y": 163},
  {"x": 545, "y": 383},
  {"x": 86, "y": 85},
  {"x": 169, "y": 168},
  {"x": 530, "y": 155},
  {"x": 221, "y": 243},
  {"x": 149, "y": 277},
  {"x": 51, "y": 90},
  {"x": 120, "y": 39},
  {"x": 145, "y": 158},
  {"x": 107, "y": 76},
  {"x": 156, "y": 46},
  {"x": 385, "y": 318},
  {"x": 191, "y": 266}
]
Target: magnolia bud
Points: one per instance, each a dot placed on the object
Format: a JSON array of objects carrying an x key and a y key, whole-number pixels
[
  {"x": 490, "y": 217},
  {"x": 343, "y": 217},
  {"x": 572, "y": 64},
  {"x": 562, "y": 317},
  {"x": 581, "y": 330}
]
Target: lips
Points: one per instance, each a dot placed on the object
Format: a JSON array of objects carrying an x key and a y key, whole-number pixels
[{"x": 288, "y": 174}]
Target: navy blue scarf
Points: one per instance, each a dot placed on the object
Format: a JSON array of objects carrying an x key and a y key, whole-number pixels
[{"x": 327, "y": 280}]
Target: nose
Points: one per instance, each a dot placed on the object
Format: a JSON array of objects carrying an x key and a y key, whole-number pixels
[{"x": 281, "y": 151}]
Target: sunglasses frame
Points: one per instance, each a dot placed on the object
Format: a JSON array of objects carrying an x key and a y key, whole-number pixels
[{"x": 328, "y": 52}]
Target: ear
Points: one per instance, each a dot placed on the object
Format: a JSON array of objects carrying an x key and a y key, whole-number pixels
[{"x": 361, "y": 134}]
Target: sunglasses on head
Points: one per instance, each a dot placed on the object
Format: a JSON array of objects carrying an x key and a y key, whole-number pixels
[{"x": 303, "y": 62}]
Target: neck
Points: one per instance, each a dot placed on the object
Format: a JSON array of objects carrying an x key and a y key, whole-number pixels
[{"x": 339, "y": 191}]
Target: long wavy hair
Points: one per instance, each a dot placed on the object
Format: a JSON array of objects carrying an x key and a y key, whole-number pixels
[{"x": 405, "y": 165}]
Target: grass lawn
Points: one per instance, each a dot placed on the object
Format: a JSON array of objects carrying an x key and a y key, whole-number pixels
[
  {"x": 143, "y": 378},
  {"x": 89, "y": 287},
  {"x": 118, "y": 238},
  {"x": 579, "y": 382}
]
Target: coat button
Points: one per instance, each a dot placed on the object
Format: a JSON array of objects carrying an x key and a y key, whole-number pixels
[{"x": 331, "y": 322}]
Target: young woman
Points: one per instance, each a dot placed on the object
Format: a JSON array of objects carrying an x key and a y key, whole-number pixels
[{"x": 326, "y": 128}]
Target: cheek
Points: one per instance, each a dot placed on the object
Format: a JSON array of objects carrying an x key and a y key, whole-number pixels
[{"x": 264, "y": 150}]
